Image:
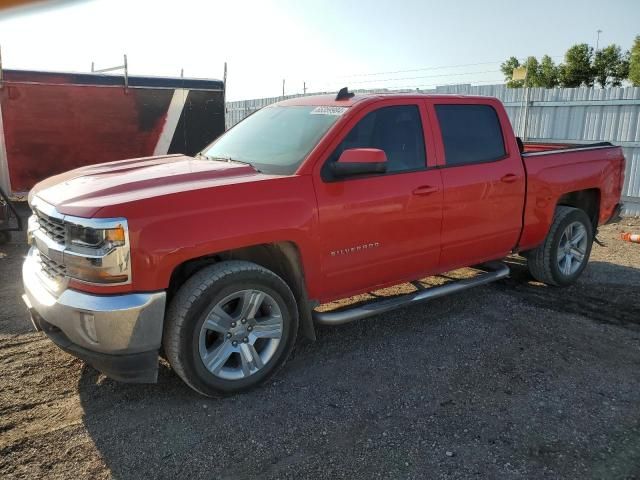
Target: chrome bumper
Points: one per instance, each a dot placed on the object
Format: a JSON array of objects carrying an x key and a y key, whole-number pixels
[{"x": 100, "y": 326}]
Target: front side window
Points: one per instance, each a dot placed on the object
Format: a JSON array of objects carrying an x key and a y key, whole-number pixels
[
  {"x": 275, "y": 140},
  {"x": 396, "y": 130},
  {"x": 470, "y": 133}
]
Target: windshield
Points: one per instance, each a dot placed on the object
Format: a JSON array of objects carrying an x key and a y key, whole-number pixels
[{"x": 275, "y": 140}]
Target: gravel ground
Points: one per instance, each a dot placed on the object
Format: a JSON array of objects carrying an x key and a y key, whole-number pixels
[{"x": 509, "y": 380}]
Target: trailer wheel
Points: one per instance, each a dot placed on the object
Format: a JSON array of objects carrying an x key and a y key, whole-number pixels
[
  {"x": 4, "y": 237},
  {"x": 564, "y": 254},
  {"x": 230, "y": 327}
]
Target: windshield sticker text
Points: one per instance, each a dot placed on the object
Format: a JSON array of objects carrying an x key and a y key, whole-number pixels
[{"x": 328, "y": 111}]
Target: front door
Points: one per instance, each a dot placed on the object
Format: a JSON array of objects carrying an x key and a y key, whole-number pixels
[{"x": 383, "y": 228}]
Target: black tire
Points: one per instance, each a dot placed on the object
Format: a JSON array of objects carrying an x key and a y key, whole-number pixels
[
  {"x": 190, "y": 307},
  {"x": 4, "y": 237},
  {"x": 543, "y": 260}
]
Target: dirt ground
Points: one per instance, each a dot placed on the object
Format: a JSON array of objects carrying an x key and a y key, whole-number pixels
[{"x": 509, "y": 380}]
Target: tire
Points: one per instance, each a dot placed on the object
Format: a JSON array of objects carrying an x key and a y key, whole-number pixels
[
  {"x": 245, "y": 307},
  {"x": 549, "y": 262},
  {"x": 4, "y": 237}
]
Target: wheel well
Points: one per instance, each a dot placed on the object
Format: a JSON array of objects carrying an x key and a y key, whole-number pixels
[
  {"x": 587, "y": 200},
  {"x": 282, "y": 258}
]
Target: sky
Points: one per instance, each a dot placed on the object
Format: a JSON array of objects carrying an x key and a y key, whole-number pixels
[{"x": 326, "y": 44}]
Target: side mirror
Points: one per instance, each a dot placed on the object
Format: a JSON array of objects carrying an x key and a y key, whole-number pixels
[{"x": 359, "y": 161}]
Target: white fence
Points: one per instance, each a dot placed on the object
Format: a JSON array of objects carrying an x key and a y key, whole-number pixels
[{"x": 554, "y": 115}]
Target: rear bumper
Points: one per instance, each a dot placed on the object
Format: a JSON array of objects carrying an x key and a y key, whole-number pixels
[
  {"x": 120, "y": 335},
  {"x": 615, "y": 215}
]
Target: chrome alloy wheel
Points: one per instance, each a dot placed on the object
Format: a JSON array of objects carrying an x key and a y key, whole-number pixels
[
  {"x": 240, "y": 334},
  {"x": 572, "y": 248}
]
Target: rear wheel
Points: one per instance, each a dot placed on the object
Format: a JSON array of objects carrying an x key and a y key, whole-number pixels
[
  {"x": 4, "y": 237},
  {"x": 230, "y": 327},
  {"x": 564, "y": 254}
]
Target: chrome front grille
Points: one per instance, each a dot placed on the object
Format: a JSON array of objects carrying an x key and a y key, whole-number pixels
[
  {"x": 50, "y": 267},
  {"x": 52, "y": 227}
]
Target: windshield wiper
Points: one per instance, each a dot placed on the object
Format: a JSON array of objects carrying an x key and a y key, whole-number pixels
[
  {"x": 207, "y": 157},
  {"x": 224, "y": 159}
]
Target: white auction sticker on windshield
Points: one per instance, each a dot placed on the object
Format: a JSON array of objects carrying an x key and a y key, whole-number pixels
[{"x": 328, "y": 110}]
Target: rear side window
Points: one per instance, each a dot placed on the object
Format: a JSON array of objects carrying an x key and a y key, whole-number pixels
[
  {"x": 397, "y": 130},
  {"x": 470, "y": 133}
]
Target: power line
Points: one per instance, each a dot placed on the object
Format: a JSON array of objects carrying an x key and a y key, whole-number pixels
[
  {"x": 335, "y": 83},
  {"x": 413, "y": 86},
  {"x": 425, "y": 76},
  {"x": 391, "y": 89},
  {"x": 332, "y": 84},
  {"x": 439, "y": 67}
]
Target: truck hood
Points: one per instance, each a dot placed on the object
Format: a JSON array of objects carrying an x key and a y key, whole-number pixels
[{"x": 84, "y": 191}]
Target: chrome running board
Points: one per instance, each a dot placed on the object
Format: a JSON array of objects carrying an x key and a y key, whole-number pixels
[{"x": 495, "y": 271}]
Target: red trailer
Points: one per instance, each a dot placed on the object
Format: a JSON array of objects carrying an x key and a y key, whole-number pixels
[{"x": 53, "y": 122}]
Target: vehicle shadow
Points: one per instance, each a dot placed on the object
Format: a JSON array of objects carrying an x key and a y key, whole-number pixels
[
  {"x": 167, "y": 430},
  {"x": 606, "y": 292},
  {"x": 392, "y": 394}
]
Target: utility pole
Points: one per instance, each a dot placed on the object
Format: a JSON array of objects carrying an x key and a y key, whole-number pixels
[
  {"x": 304, "y": 88},
  {"x": 224, "y": 86},
  {"x": 526, "y": 104},
  {"x": 283, "y": 87},
  {"x": 598, "y": 32}
]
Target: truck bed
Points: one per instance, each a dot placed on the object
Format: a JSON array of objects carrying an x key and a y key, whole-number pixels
[
  {"x": 532, "y": 148},
  {"x": 554, "y": 171}
]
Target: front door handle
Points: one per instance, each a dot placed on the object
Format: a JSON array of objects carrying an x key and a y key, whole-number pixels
[
  {"x": 509, "y": 178},
  {"x": 425, "y": 190}
]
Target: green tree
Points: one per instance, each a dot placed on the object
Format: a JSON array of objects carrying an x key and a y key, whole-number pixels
[
  {"x": 507, "y": 68},
  {"x": 547, "y": 73},
  {"x": 533, "y": 72},
  {"x": 634, "y": 63},
  {"x": 576, "y": 69},
  {"x": 610, "y": 66}
]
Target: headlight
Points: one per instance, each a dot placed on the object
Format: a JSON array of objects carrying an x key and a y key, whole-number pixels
[
  {"x": 91, "y": 240},
  {"x": 98, "y": 253},
  {"x": 93, "y": 250}
]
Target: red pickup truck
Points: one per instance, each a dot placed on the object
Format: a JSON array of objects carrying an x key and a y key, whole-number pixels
[{"x": 218, "y": 261}]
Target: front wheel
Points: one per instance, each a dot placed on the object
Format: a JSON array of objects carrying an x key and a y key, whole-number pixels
[
  {"x": 565, "y": 251},
  {"x": 230, "y": 327}
]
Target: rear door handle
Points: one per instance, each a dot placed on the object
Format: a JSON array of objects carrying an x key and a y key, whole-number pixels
[
  {"x": 425, "y": 190},
  {"x": 509, "y": 178}
]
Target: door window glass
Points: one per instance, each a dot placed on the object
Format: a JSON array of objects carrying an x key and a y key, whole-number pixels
[
  {"x": 470, "y": 134},
  {"x": 396, "y": 130}
]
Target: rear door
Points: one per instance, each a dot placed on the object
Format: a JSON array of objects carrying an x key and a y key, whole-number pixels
[
  {"x": 381, "y": 228},
  {"x": 483, "y": 180}
]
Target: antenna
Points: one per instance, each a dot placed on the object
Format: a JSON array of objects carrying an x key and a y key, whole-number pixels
[{"x": 344, "y": 94}]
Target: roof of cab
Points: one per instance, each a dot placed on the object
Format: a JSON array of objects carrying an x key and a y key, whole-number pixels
[{"x": 330, "y": 100}]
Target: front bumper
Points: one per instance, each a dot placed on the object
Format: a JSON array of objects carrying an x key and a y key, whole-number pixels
[{"x": 120, "y": 335}]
